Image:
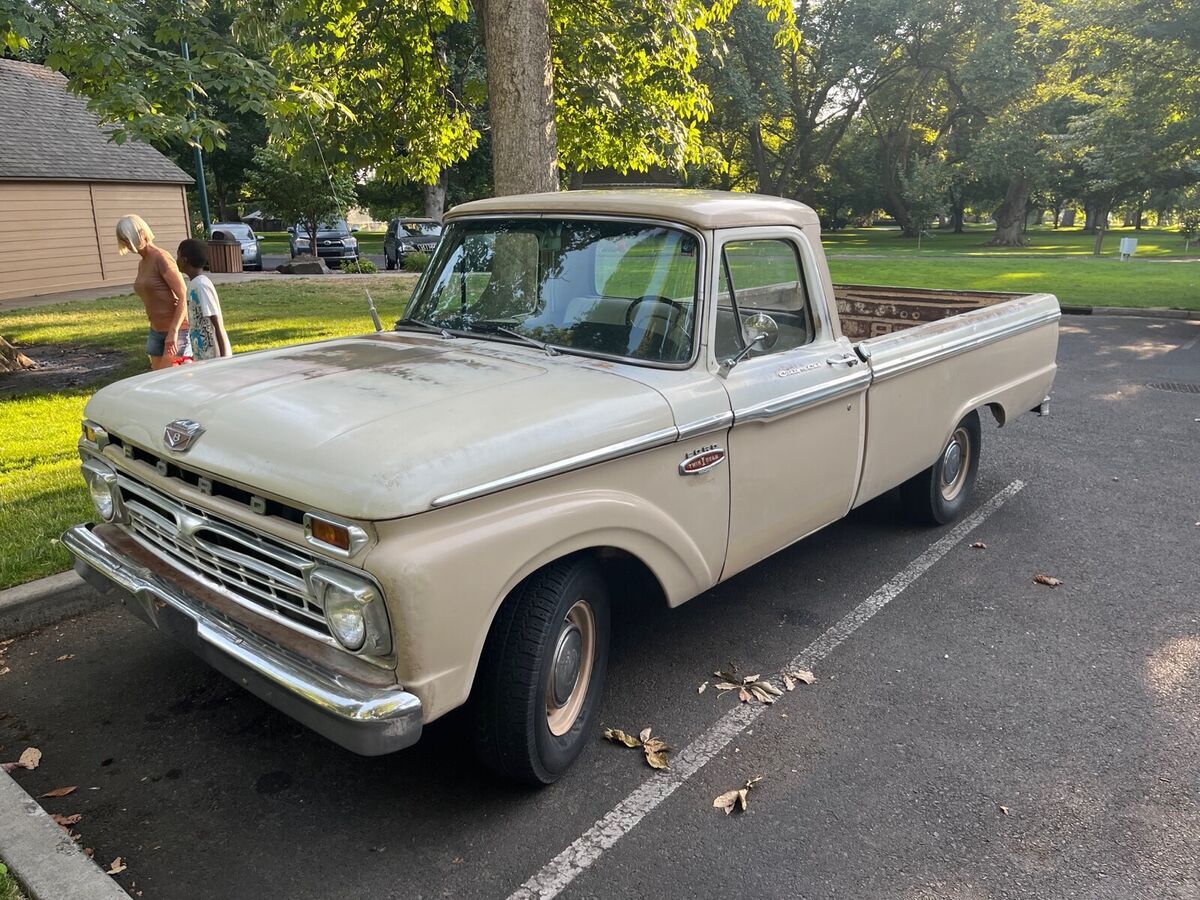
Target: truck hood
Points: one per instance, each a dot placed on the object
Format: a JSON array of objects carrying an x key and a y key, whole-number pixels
[{"x": 377, "y": 427}]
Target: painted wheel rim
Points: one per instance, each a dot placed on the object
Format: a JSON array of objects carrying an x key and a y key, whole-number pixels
[
  {"x": 570, "y": 672},
  {"x": 956, "y": 462}
]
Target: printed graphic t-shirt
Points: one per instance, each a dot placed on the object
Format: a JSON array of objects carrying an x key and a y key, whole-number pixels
[{"x": 202, "y": 306}]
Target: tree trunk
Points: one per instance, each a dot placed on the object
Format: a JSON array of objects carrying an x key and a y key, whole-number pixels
[
  {"x": 12, "y": 359},
  {"x": 1089, "y": 216},
  {"x": 1138, "y": 214},
  {"x": 1068, "y": 217},
  {"x": 516, "y": 37},
  {"x": 435, "y": 197},
  {"x": 1010, "y": 217}
]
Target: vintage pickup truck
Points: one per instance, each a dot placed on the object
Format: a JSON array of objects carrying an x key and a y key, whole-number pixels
[{"x": 588, "y": 390}]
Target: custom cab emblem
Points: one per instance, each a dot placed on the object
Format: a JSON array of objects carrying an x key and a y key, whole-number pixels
[
  {"x": 702, "y": 460},
  {"x": 181, "y": 434}
]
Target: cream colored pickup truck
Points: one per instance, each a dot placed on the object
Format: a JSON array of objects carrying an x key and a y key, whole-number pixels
[{"x": 587, "y": 388}]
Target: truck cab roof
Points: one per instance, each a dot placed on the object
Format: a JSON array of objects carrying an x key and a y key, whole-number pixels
[{"x": 703, "y": 210}]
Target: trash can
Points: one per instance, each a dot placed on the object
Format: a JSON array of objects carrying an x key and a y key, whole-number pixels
[
  {"x": 1128, "y": 247},
  {"x": 224, "y": 253}
]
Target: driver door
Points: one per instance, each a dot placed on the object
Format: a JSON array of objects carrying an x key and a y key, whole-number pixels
[{"x": 797, "y": 399}]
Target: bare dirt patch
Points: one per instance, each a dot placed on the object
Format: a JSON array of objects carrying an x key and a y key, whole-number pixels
[{"x": 60, "y": 367}]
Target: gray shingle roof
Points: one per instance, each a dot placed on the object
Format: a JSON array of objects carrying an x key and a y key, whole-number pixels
[{"x": 48, "y": 134}]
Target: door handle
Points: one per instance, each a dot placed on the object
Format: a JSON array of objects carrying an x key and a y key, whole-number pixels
[{"x": 843, "y": 362}]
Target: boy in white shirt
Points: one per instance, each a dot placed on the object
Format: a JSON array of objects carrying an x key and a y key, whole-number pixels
[{"x": 207, "y": 324}]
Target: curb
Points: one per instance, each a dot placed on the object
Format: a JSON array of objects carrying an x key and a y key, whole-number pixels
[
  {"x": 45, "y": 862},
  {"x": 46, "y": 601},
  {"x": 1146, "y": 312}
]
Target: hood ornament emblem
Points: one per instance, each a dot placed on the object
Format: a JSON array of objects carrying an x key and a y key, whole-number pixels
[{"x": 181, "y": 434}]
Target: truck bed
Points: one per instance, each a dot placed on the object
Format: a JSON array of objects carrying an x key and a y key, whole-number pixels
[
  {"x": 936, "y": 351},
  {"x": 868, "y": 311}
]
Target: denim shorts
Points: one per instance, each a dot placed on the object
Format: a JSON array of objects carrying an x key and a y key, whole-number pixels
[{"x": 156, "y": 341}]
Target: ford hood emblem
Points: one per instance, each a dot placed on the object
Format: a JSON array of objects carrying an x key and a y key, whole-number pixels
[{"x": 181, "y": 434}]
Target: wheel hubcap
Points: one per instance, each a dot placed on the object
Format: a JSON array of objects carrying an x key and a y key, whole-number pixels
[
  {"x": 955, "y": 463},
  {"x": 566, "y": 663},
  {"x": 570, "y": 668}
]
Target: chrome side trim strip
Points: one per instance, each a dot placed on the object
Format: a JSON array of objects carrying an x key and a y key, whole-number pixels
[
  {"x": 892, "y": 367},
  {"x": 810, "y": 396},
  {"x": 603, "y": 454},
  {"x": 708, "y": 424}
]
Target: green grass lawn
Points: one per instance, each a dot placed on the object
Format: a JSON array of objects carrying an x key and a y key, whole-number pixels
[
  {"x": 1040, "y": 241},
  {"x": 1081, "y": 282},
  {"x": 9, "y": 889},
  {"x": 41, "y": 491}
]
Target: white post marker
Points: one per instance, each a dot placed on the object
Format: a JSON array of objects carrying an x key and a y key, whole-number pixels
[{"x": 621, "y": 819}]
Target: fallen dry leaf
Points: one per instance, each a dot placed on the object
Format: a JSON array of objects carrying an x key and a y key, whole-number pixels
[
  {"x": 744, "y": 695},
  {"x": 65, "y": 657},
  {"x": 803, "y": 675},
  {"x": 979, "y": 545},
  {"x": 788, "y": 682},
  {"x": 1004, "y": 809},
  {"x": 116, "y": 867},
  {"x": 66, "y": 821},
  {"x": 58, "y": 792},
  {"x": 750, "y": 679},
  {"x": 89, "y": 852},
  {"x": 29, "y": 760},
  {"x": 644, "y": 735},
  {"x": 617, "y": 736},
  {"x": 656, "y": 753},
  {"x": 728, "y": 800},
  {"x": 699, "y": 690},
  {"x": 1048, "y": 580}
]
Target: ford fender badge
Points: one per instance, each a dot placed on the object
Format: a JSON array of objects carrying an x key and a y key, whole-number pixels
[
  {"x": 702, "y": 460},
  {"x": 181, "y": 434}
]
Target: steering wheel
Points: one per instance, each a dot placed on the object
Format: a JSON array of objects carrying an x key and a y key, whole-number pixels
[{"x": 679, "y": 308}]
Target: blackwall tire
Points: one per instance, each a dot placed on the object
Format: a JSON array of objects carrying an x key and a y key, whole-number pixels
[
  {"x": 534, "y": 707},
  {"x": 939, "y": 495}
]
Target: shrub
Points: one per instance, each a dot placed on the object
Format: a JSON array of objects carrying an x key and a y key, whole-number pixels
[
  {"x": 364, "y": 265},
  {"x": 416, "y": 261}
]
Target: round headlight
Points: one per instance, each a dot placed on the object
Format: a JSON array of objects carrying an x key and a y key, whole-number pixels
[
  {"x": 353, "y": 610},
  {"x": 344, "y": 612},
  {"x": 102, "y": 486},
  {"x": 102, "y": 499}
]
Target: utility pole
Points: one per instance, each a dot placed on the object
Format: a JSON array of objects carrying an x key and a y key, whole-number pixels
[{"x": 201, "y": 186}]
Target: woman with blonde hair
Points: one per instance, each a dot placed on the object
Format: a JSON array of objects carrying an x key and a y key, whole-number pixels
[{"x": 162, "y": 291}]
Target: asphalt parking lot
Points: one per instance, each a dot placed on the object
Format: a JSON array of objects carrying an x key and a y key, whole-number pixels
[{"x": 979, "y": 736}]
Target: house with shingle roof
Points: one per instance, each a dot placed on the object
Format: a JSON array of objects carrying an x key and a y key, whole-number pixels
[{"x": 64, "y": 184}]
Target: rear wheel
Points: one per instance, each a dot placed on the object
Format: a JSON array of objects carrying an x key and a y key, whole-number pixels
[
  {"x": 537, "y": 692},
  {"x": 939, "y": 495}
]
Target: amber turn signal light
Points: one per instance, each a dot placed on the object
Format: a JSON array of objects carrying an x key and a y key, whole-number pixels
[{"x": 331, "y": 534}]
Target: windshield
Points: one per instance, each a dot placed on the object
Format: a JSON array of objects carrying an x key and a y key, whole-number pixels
[
  {"x": 613, "y": 288},
  {"x": 418, "y": 229},
  {"x": 339, "y": 226},
  {"x": 240, "y": 232}
]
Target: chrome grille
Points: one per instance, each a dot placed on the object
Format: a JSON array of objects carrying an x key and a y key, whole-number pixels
[{"x": 251, "y": 569}]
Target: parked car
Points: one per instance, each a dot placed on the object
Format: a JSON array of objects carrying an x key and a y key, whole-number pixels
[
  {"x": 588, "y": 390},
  {"x": 244, "y": 235},
  {"x": 408, "y": 235},
  {"x": 336, "y": 243}
]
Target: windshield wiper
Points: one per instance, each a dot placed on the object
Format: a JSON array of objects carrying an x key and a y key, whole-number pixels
[
  {"x": 490, "y": 328},
  {"x": 410, "y": 322},
  {"x": 546, "y": 348}
]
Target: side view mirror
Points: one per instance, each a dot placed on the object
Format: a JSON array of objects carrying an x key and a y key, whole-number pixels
[
  {"x": 761, "y": 332},
  {"x": 353, "y": 228}
]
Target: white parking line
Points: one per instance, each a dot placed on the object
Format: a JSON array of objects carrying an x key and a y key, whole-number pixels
[{"x": 621, "y": 819}]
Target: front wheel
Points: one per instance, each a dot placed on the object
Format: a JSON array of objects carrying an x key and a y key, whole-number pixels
[
  {"x": 939, "y": 495},
  {"x": 537, "y": 692}
]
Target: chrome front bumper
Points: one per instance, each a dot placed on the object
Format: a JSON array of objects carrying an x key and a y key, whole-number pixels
[{"x": 362, "y": 718}]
